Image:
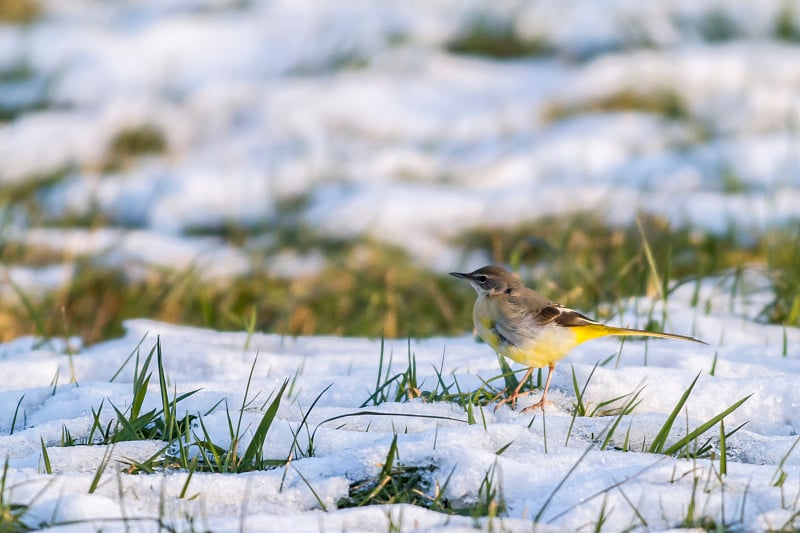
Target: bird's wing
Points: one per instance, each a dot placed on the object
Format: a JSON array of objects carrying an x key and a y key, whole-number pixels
[
  {"x": 529, "y": 311},
  {"x": 542, "y": 311},
  {"x": 526, "y": 312},
  {"x": 564, "y": 316}
]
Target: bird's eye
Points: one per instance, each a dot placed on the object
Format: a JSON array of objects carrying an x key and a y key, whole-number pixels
[{"x": 482, "y": 279}]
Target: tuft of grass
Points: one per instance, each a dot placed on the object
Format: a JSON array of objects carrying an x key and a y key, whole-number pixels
[
  {"x": 786, "y": 27},
  {"x": 581, "y": 408},
  {"x": 30, "y": 89},
  {"x": 490, "y": 500},
  {"x": 341, "y": 59},
  {"x": 134, "y": 424},
  {"x": 627, "y": 409},
  {"x": 664, "y": 102},
  {"x": 396, "y": 483},
  {"x": 489, "y": 36},
  {"x": 11, "y": 514},
  {"x": 717, "y": 26},
  {"x": 781, "y": 249},
  {"x": 704, "y": 522},
  {"x": 23, "y": 195},
  {"x": 367, "y": 288},
  {"x": 161, "y": 424},
  {"x": 731, "y": 182},
  {"x": 191, "y": 447},
  {"x": 19, "y": 11},
  {"x": 416, "y": 485},
  {"x": 682, "y": 446},
  {"x": 385, "y": 292},
  {"x": 397, "y": 387},
  {"x": 132, "y": 142},
  {"x": 404, "y": 386}
]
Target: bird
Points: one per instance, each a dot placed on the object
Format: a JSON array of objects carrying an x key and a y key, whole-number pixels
[{"x": 521, "y": 324}]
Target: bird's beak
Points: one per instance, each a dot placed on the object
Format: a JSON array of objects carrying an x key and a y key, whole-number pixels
[{"x": 459, "y": 275}]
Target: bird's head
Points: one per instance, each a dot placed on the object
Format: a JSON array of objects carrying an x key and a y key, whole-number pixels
[{"x": 491, "y": 280}]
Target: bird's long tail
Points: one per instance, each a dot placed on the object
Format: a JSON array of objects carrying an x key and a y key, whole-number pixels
[
  {"x": 626, "y": 332},
  {"x": 592, "y": 331}
]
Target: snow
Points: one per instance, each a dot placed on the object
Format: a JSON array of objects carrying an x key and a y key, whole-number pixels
[
  {"x": 357, "y": 106},
  {"x": 357, "y": 109},
  {"x": 750, "y": 361}
]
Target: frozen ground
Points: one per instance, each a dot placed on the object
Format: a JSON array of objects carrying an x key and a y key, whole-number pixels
[{"x": 644, "y": 490}]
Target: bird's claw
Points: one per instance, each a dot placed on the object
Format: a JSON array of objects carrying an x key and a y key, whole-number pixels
[
  {"x": 511, "y": 398},
  {"x": 538, "y": 405},
  {"x": 496, "y": 398}
]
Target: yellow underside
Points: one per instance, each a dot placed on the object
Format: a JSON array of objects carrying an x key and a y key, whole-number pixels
[{"x": 551, "y": 343}]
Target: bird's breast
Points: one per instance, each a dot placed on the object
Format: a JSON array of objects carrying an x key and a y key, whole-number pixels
[
  {"x": 536, "y": 346},
  {"x": 484, "y": 318}
]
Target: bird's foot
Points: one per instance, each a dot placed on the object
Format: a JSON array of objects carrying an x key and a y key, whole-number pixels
[
  {"x": 499, "y": 395},
  {"x": 511, "y": 398},
  {"x": 538, "y": 405}
]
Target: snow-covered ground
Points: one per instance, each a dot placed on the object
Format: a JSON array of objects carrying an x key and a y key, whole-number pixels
[
  {"x": 645, "y": 490},
  {"x": 359, "y": 108},
  {"x": 353, "y": 119}
]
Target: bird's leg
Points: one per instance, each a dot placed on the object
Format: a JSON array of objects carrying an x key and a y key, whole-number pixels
[
  {"x": 540, "y": 403},
  {"x": 514, "y": 395}
]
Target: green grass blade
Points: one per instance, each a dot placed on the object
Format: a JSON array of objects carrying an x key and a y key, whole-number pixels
[
  {"x": 16, "y": 412},
  {"x": 139, "y": 395},
  {"x": 560, "y": 484},
  {"x": 704, "y": 427},
  {"x": 235, "y": 434},
  {"x": 216, "y": 453},
  {"x": 503, "y": 448},
  {"x": 100, "y": 469},
  {"x": 166, "y": 410},
  {"x": 658, "y": 442},
  {"x": 304, "y": 421},
  {"x": 651, "y": 262},
  {"x": 632, "y": 402},
  {"x": 723, "y": 449},
  {"x": 141, "y": 380},
  {"x": 391, "y": 455},
  {"x": 46, "y": 458},
  {"x": 96, "y": 424},
  {"x": 260, "y": 435},
  {"x": 192, "y": 467},
  {"x": 34, "y": 315},
  {"x": 131, "y": 428},
  {"x": 580, "y": 409},
  {"x": 379, "y": 396},
  {"x": 777, "y": 475},
  {"x": 148, "y": 465},
  {"x": 127, "y": 360},
  {"x": 314, "y": 492}
]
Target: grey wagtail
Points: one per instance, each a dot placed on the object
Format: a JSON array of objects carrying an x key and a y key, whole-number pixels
[{"x": 521, "y": 324}]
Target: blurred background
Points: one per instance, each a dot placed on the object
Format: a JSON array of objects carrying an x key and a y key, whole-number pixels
[{"x": 306, "y": 167}]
